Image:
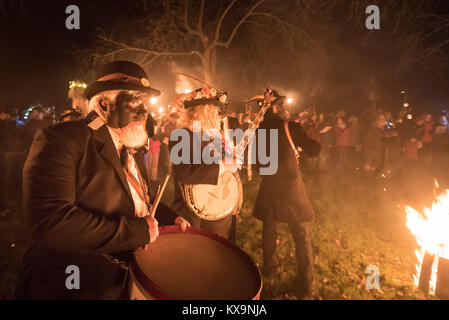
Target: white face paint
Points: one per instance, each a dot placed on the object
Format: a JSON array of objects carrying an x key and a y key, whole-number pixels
[{"x": 134, "y": 135}]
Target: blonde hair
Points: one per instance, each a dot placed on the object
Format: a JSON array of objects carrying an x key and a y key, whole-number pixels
[{"x": 207, "y": 114}]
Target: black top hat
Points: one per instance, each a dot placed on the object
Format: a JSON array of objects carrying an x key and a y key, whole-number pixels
[
  {"x": 120, "y": 75},
  {"x": 277, "y": 99}
]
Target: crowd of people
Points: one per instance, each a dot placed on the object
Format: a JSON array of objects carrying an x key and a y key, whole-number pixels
[
  {"x": 121, "y": 137},
  {"x": 376, "y": 141}
]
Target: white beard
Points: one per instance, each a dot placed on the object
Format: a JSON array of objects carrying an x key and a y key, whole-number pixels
[{"x": 134, "y": 135}]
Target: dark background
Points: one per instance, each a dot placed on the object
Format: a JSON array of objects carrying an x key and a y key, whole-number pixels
[
  {"x": 36, "y": 60},
  {"x": 37, "y": 56}
]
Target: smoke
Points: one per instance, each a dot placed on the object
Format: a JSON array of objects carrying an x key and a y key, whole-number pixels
[{"x": 185, "y": 84}]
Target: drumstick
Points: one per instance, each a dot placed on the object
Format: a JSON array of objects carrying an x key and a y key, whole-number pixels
[{"x": 160, "y": 191}]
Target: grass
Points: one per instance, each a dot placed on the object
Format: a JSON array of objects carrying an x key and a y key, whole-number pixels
[{"x": 357, "y": 224}]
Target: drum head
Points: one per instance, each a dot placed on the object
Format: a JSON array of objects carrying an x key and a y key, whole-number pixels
[{"x": 195, "y": 265}]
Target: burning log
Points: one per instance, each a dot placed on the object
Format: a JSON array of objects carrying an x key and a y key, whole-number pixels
[
  {"x": 442, "y": 286},
  {"x": 426, "y": 272},
  {"x": 430, "y": 231}
]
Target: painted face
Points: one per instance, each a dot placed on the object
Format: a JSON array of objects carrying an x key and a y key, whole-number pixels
[
  {"x": 129, "y": 114},
  {"x": 129, "y": 107}
]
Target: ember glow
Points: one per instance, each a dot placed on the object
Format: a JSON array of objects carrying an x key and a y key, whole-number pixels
[{"x": 430, "y": 231}]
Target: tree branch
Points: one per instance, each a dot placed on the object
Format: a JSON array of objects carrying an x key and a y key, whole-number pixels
[
  {"x": 186, "y": 21},
  {"x": 220, "y": 21},
  {"x": 125, "y": 47},
  {"x": 200, "y": 19},
  {"x": 234, "y": 31}
]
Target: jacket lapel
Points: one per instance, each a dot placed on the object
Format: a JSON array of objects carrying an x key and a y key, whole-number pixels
[
  {"x": 106, "y": 148},
  {"x": 138, "y": 157}
]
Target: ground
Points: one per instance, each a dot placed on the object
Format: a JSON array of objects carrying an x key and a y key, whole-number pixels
[{"x": 359, "y": 222}]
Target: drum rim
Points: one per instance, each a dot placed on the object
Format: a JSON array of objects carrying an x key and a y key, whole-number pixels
[{"x": 159, "y": 294}]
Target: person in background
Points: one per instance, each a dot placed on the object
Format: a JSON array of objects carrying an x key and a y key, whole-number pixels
[
  {"x": 35, "y": 121},
  {"x": 411, "y": 133},
  {"x": 392, "y": 144},
  {"x": 286, "y": 115},
  {"x": 282, "y": 197},
  {"x": 311, "y": 129},
  {"x": 233, "y": 122},
  {"x": 165, "y": 165},
  {"x": 426, "y": 152},
  {"x": 69, "y": 114},
  {"x": 152, "y": 158},
  {"x": 12, "y": 157},
  {"x": 354, "y": 144},
  {"x": 441, "y": 144},
  {"x": 241, "y": 119},
  {"x": 325, "y": 128},
  {"x": 342, "y": 132},
  {"x": 372, "y": 145}
]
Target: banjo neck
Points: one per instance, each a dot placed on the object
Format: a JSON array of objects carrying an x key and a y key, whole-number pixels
[{"x": 251, "y": 131}]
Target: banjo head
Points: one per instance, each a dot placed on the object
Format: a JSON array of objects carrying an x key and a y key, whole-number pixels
[{"x": 214, "y": 202}]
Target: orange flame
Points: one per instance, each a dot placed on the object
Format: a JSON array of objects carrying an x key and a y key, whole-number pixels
[{"x": 430, "y": 231}]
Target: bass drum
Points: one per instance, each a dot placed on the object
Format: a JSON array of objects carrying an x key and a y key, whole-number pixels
[
  {"x": 193, "y": 265},
  {"x": 215, "y": 202}
]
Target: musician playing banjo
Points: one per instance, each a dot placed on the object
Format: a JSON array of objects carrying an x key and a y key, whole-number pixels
[
  {"x": 86, "y": 193},
  {"x": 203, "y": 190}
]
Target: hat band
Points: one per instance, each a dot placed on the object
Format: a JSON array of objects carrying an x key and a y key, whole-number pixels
[
  {"x": 201, "y": 101},
  {"x": 119, "y": 77}
]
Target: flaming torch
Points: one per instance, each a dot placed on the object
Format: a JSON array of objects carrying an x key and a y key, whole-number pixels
[{"x": 431, "y": 232}]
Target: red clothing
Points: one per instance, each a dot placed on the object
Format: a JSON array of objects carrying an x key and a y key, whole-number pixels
[
  {"x": 342, "y": 136},
  {"x": 155, "y": 146},
  {"x": 411, "y": 150},
  {"x": 428, "y": 132}
]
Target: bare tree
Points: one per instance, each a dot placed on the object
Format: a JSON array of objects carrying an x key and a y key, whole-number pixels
[
  {"x": 413, "y": 30},
  {"x": 190, "y": 31}
]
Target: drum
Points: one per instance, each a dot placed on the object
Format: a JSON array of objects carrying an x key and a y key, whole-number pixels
[{"x": 193, "y": 265}]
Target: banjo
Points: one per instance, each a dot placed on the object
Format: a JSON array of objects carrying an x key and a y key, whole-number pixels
[{"x": 215, "y": 202}]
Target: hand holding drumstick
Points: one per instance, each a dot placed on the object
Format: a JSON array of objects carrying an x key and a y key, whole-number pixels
[{"x": 151, "y": 220}]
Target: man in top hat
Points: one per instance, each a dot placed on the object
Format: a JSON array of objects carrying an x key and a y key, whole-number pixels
[
  {"x": 86, "y": 194},
  {"x": 282, "y": 197}
]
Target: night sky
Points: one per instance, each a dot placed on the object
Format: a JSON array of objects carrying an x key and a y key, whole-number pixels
[
  {"x": 36, "y": 60},
  {"x": 36, "y": 56}
]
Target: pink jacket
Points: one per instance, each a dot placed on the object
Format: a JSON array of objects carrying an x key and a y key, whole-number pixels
[
  {"x": 155, "y": 146},
  {"x": 342, "y": 136}
]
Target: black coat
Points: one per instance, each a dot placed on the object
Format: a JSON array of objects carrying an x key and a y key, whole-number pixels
[
  {"x": 283, "y": 194},
  {"x": 78, "y": 205},
  {"x": 190, "y": 173}
]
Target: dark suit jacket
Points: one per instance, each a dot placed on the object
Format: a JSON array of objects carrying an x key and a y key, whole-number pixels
[
  {"x": 283, "y": 194},
  {"x": 190, "y": 173},
  {"x": 78, "y": 205}
]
